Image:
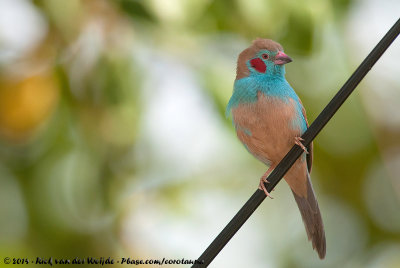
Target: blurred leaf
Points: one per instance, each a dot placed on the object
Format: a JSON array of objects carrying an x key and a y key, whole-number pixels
[
  {"x": 224, "y": 15},
  {"x": 341, "y": 7},
  {"x": 136, "y": 9},
  {"x": 25, "y": 104},
  {"x": 299, "y": 34}
]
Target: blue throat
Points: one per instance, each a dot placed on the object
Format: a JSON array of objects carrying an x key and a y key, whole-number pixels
[{"x": 272, "y": 85}]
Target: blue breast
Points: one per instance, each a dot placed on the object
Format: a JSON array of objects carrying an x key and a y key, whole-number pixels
[{"x": 246, "y": 89}]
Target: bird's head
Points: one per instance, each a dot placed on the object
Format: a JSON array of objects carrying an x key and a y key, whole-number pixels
[{"x": 263, "y": 57}]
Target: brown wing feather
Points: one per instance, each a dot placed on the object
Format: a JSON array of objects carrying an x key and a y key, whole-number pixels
[{"x": 310, "y": 146}]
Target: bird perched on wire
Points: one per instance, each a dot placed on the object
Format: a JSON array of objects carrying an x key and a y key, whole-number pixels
[{"x": 269, "y": 119}]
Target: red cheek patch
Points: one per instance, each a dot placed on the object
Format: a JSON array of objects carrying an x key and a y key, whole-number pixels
[{"x": 258, "y": 64}]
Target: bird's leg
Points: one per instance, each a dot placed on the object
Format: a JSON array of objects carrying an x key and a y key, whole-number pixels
[
  {"x": 266, "y": 174},
  {"x": 263, "y": 180},
  {"x": 298, "y": 141}
]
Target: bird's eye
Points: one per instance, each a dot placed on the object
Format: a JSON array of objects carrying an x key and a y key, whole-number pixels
[{"x": 265, "y": 56}]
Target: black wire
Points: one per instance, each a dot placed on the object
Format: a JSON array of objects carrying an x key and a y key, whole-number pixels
[{"x": 276, "y": 175}]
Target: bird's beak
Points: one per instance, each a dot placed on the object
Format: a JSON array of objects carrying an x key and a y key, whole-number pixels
[{"x": 281, "y": 58}]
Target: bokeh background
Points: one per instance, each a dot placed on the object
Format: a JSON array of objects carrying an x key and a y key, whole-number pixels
[{"x": 114, "y": 142}]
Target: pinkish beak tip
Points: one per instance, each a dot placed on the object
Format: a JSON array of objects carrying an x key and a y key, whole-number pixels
[{"x": 281, "y": 58}]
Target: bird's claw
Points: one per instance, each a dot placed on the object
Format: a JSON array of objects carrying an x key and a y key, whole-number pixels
[
  {"x": 298, "y": 141},
  {"x": 261, "y": 186},
  {"x": 264, "y": 178}
]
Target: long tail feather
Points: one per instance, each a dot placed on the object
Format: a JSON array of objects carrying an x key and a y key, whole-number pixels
[{"x": 312, "y": 219}]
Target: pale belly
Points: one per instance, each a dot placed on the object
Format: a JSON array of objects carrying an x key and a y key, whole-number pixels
[{"x": 267, "y": 127}]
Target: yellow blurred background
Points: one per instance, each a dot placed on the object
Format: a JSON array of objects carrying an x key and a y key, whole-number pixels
[{"x": 113, "y": 139}]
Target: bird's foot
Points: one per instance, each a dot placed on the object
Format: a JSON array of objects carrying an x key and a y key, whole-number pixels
[
  {"x": 298, "y": 141},
  {"x": 265, "y": 176},
  {"x": 261, "y": 186}
]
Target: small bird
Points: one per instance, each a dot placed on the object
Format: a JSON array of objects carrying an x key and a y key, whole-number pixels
[{"x": 269, "y": 119}]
